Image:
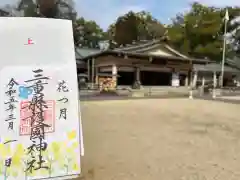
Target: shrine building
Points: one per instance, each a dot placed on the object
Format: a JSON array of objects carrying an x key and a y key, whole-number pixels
[{"x": 151, "y": 63}]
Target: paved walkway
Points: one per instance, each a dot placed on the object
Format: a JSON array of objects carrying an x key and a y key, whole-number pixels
[
  {"x": 226, "y": 99},
  {"x": 230, "y": 97},
  {"x": 122, "y": 97}
]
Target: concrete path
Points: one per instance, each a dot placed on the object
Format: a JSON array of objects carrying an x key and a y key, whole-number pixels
[{"x": 225, "y": 99}]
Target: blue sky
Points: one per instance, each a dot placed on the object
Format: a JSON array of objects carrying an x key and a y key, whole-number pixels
[{"x": 105, "y": 12}]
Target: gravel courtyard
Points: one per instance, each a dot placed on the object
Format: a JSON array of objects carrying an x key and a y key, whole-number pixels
[{"x": 161, "y": 139}]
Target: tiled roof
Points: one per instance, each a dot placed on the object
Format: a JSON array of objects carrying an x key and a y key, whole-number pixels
[
  {"x": 214, "y": 67},
  {"x": 141, "y": 49},
  {"x": 147, "y": 46},
  {"x": 146, "y": 56},
  {"x": 231, "y": 65},
  {"x": 81, "y": 53}
]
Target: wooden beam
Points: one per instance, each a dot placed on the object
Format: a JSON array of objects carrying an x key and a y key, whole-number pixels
[{"x": 150, "y": 59}]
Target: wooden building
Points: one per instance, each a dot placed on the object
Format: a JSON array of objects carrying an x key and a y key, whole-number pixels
[
  {"x": 211, "y": 72},
  {"x": 148, "y": 63}
]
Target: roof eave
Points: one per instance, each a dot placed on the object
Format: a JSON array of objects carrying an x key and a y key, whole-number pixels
[{"x": 114, "y": 52}]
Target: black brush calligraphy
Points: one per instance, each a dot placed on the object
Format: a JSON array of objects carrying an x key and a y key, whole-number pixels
[
  {"x": 37, "y": 105},
  {"x": 63, "y": 88},
  {"x": 11, "y": 103}
]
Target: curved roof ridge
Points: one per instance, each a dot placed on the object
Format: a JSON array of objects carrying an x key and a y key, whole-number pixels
[
  {"x": 147, "y": 48},
  {"x": 175, "y": 51},
  {"x": 137, "y": 46}
]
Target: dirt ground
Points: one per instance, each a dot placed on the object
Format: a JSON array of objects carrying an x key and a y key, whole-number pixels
[{"x": 163, "y": 139}]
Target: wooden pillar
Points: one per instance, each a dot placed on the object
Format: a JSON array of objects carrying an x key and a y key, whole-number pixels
[
  {"x": 195, "y": 78},
  {"x": 137, "y": 81},
  {"x": 138, "y": 76},
  {"x": 114, "y": 75},
  {"x": 202, "y": 86},
  {"x": 214, "y": 84},
  {"x": 89, "y": 70},
  {"x": 96, "y": 77},
  {"x": 175, "y": 82},
  {"x": 93, "y": 69},
  {"x": 186, "y": 80},
  {"x": 203, "y": 81},
  {"x": 221, "y": 78},
  {"x": 214, "y": 80},
  {"x": 220, "y": 81},
  {"x": 191, "y": 85}
]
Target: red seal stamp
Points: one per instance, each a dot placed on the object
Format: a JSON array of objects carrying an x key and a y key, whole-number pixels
[{"x": 26, "y": 117}]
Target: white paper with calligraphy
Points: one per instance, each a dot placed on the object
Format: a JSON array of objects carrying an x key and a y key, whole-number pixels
[{"x": 40, "y": 132}]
